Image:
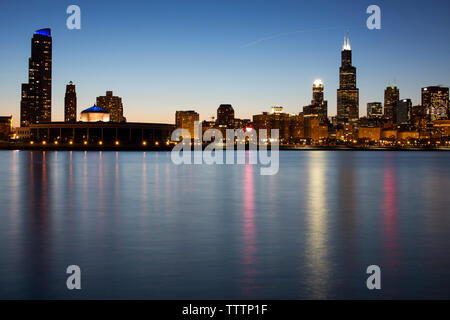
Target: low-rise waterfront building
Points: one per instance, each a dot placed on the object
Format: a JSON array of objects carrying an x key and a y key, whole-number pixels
[
  {"x": 443, "y": 126},
  {"x": 407, "y": 135},
  {"x": 101, "y": 133},
  {"x": 5, "y": 127},
  {"x": 389, "y": 134},
  {"x": 369, "y": 133},
  {"x": 290, "y": 126},
  {"x": 22, "y": 133}
]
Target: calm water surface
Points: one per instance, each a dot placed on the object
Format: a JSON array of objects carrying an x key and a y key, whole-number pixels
[{"x": 142, "y": 227}]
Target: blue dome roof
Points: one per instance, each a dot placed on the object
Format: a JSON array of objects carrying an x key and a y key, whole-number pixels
[
  {"x": 45, "y": 32},
  {"x": 94, "y": 109}
]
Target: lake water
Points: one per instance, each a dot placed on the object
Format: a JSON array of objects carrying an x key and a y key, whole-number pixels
[{"x": 141, "y": 227}]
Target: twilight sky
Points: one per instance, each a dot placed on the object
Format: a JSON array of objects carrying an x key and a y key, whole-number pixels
[{"x": 163, "y": 56}]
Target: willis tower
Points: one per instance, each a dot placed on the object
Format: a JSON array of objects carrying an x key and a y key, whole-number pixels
[{"x": 348, "y": 93}]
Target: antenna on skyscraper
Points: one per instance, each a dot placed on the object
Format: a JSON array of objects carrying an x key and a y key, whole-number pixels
[{"x": 346, "y": 45}]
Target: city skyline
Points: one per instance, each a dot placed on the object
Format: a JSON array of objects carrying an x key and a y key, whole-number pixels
[{"x": 292, "y": 91}]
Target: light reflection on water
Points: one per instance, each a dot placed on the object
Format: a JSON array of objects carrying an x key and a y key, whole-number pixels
[
  {"x": 141, "y": 227},
  {"x": 317, "y": 212}
]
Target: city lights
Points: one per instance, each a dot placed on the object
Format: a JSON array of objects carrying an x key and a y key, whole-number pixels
[
  {"x": 225, "y": 150},
  {"x": 390, "y": 125}
]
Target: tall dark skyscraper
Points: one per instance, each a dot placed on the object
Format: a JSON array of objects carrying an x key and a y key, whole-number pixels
[
  {"x": 318, "y": 105},
  {"x": 348, "y": 93},
  {"x": 36, "y": 103},
  {"x": 70, "y": 103},
  {"x": 391, "y": 97},
  {"x": 402, "y": 111}
]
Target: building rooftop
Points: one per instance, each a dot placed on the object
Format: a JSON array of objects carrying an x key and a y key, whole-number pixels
[
  {"x": 94, "y": 109},
  {"x": 44, "y": 32}
]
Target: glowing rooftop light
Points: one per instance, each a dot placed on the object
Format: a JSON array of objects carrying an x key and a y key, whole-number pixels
[
  {"x": 44, "y": 32},
  {"x": 346, "y": 45},
  {"x": 318, "y": 83},
  {"x": 94, "y": 109}
]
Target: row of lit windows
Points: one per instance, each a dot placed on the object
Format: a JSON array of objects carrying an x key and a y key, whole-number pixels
[{"x": 100, "y": 143}]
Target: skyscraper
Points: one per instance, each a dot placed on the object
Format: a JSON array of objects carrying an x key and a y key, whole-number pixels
[
  {"x": 348, "y": 93},
  {"x": 403, "y": 110},
  {"x": 318, "y": 105},
  {"x": 374, "y": 110},
  {"x": 36, "y": 103},
  {"x": 70, "y": 103},
  {"x": 435, "y": 101},
  {"x": 113, "y": 105},
  {"x": 225, "y": 116},
  {"x": 391, "y": 96},
  {"x": 185, "y": 120}
]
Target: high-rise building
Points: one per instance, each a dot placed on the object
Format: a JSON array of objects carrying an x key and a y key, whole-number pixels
[
  {"x": 435, "y": 101},
  {"x": 36, "y": 103},
  {"x": 403, "y": 109},
  {"x": 113, "y": 105},
  {"x": 348, "y": 93},
  {"x": 318, "y": 105},
  {"x": 391, "y": 96},
  {"x": 225, "y": 116},
  {"x": 70, "y": 103},
  {"x": 185, "y": 120},
  {"x": 374, "y": 110}
]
